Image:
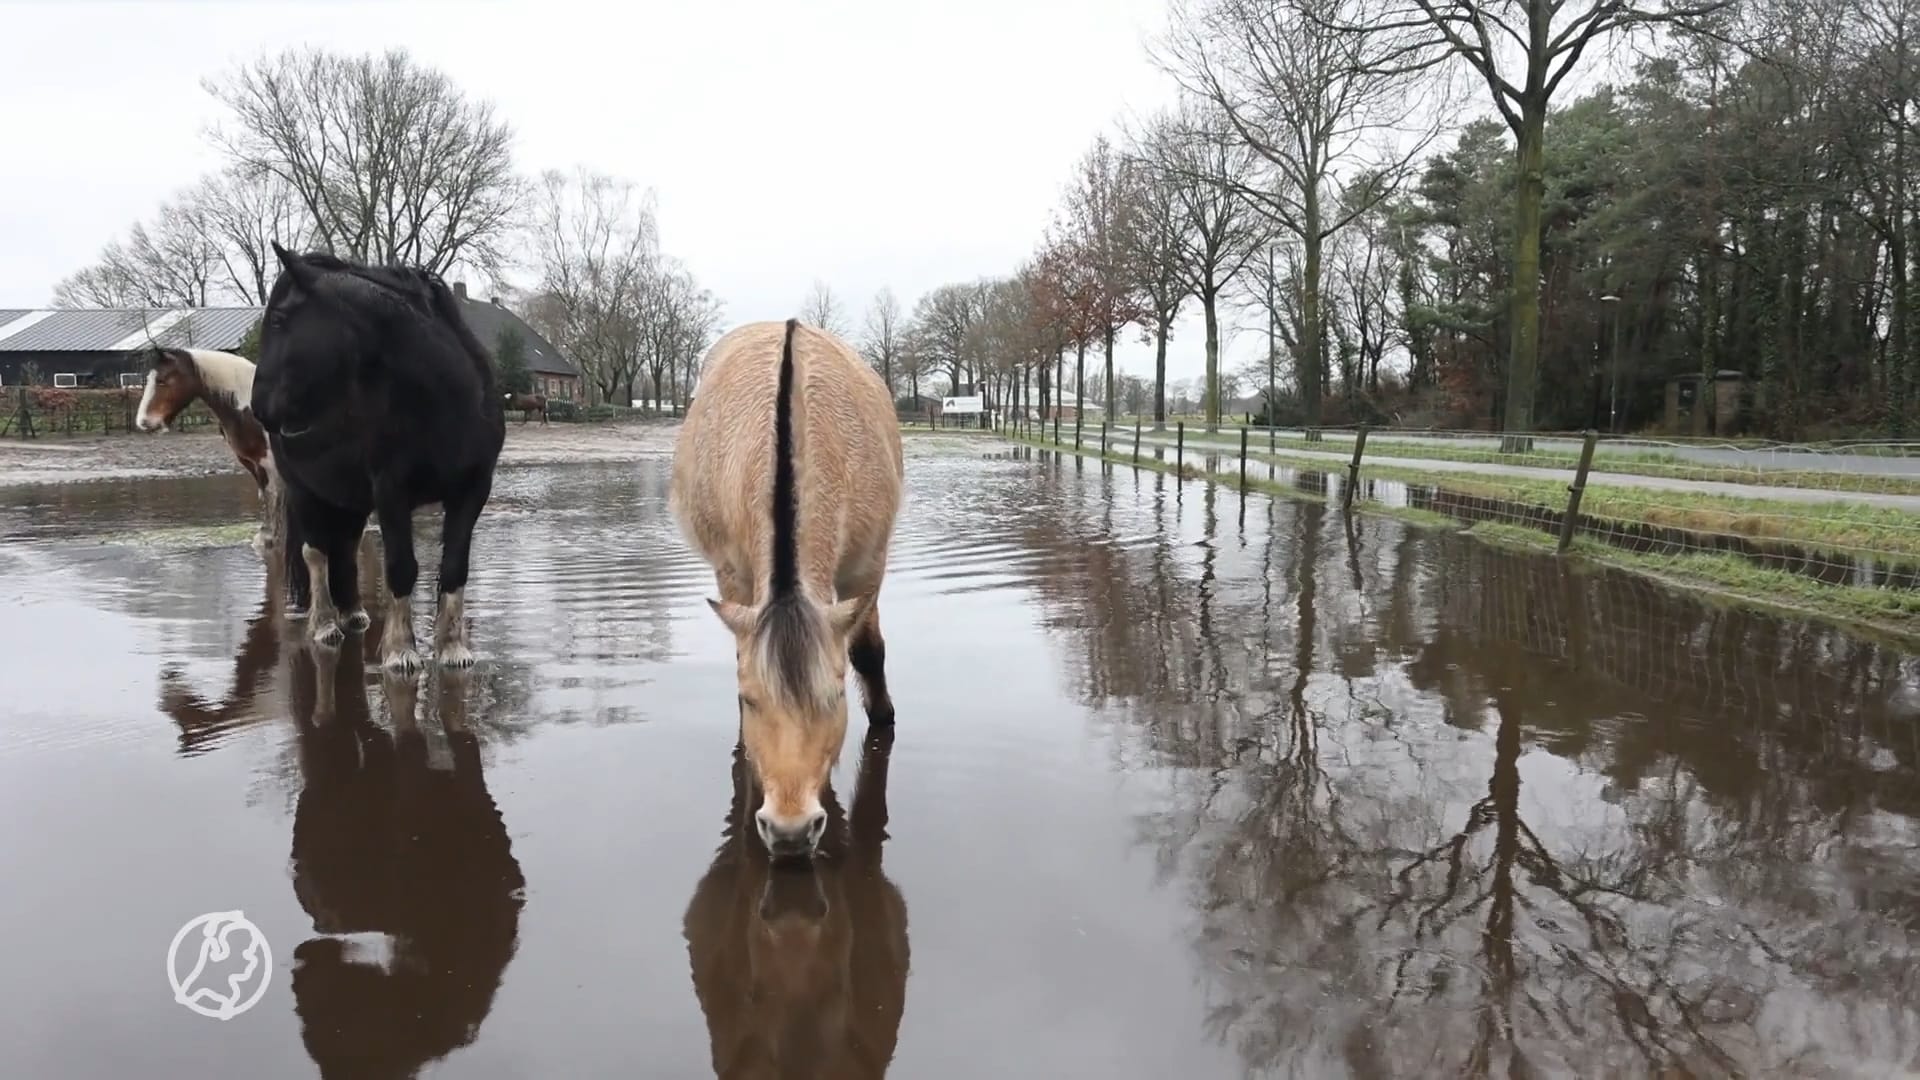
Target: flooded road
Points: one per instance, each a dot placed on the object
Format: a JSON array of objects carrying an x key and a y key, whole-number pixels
[{"x": 1182, "y": 786}]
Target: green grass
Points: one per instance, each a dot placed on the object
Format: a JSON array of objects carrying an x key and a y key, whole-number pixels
[
  {"x": 1852, "y": 529},
  {"x": 1889, "y": 611},
  {"x": 1630, "y": 462},
  {"x": 1848, "y": 529}
]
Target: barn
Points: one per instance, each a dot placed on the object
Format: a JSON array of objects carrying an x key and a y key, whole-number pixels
[{"x": 93, "y": 347}]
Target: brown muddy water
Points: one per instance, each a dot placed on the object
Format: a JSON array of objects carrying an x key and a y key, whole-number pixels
[{"x": 1182, "y": 786}]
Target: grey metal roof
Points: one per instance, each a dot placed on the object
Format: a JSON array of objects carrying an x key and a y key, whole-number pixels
[
  {"x": 121, "y": 329},
  {"x": 488, "y": 319}
]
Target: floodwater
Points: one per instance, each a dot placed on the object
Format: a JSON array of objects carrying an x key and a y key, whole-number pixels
[{"x": 1182, "y": 786}]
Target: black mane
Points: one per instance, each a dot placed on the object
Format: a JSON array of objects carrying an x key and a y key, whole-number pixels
[{"x": 423, "y": 291}]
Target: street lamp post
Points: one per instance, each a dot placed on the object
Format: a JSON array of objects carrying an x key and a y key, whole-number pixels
[{"x": 1613, "y": 378}]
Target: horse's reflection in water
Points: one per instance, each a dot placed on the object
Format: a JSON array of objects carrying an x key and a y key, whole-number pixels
[
  {"x": 802, "y": 970},
  {"x": 409, "y": 864}
]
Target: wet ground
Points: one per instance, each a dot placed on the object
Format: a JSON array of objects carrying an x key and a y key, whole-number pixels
[{"x": 1182, "y": 786}]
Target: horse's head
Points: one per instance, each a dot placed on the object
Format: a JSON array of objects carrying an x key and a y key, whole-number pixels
[
  {"x": 172, "y": 383},
  {"x": 318, "y": 340},
  {"x": 792, "y": 659}
]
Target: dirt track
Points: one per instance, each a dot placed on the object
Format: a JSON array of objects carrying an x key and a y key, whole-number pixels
[{"x": 202, "y": 453}]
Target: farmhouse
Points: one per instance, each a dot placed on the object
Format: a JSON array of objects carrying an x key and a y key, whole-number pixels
[
  {"x": 553, "y": 374},
  {"x": 93, "y": 347}
]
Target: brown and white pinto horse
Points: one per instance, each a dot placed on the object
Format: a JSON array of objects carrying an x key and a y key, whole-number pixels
[
  {"x": 787, "y": 479},
  {"x": 175, "y": 377}
]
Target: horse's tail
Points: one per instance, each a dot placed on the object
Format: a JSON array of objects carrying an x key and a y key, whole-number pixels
[{"x": 299, "y": 587}]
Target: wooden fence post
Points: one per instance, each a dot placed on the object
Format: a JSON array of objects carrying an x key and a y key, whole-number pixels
[
  {"x": 1103, "y": 438},
  {"x": 1136, "y": 442},
  {"x": 1243, "y": 461},
  {"x": 1179, "y": 448},
  {"x": 1571, "y": 520},
  {"x": 1353, "y": 468}
]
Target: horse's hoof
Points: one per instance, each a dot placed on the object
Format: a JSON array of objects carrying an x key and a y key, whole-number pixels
[
  {"x": 328, "y": 634},
  {"x": 401, "y": 662},
  {"x": 358, "y": 621},
  {"x": 456, "y": 656}
]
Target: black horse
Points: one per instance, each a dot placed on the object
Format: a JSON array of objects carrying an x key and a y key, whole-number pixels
[{"x": 377, "y": 400}]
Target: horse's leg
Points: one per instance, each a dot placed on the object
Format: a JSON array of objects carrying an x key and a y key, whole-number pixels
[
  {"x": 396, "y": 536},
  {"x": 456, "y": 546},
  {"x": 323, "y": 619},
  {"x": 867, "y": 652},
  {"x": 343, "y": 573}
]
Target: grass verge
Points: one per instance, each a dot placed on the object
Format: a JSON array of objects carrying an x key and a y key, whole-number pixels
[
  {"x": 1630, "y": 462},
  {"x": 1845, "y": 530},
  {"x": 1889, "y": 613}
]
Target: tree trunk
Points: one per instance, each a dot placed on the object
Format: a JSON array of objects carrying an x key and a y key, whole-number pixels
[
  {"x": 1160, "y": 377},
  {"x": 1524, "y": 355},
  {"x": 1079, "y": 389},
  {"x": 1209, "y": 308},
  {"x": 1113, "y": 402},
  {"x": 1703, "y": 406},
  {"x": 1313, "y": 359}
]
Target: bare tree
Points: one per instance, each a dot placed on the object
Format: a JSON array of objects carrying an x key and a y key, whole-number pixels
[
  {"x": 1328, "y": 110},
  {"x": 883, "y": 335},
  {"x": 1100, "y": 216},
  {"x": 392, "y": 162},
  {"x": 172, "y": 264},
  {"x": 244, "y": 211},
  {"x": 945, "y": 320},
  {"x": 1516, "y": 48},
  {"x": 596, "y": 243},
  {"x": 822, "y": 309},
  {"x": 1160, "y": 240},
  {"x": 1205, "y": 165}
]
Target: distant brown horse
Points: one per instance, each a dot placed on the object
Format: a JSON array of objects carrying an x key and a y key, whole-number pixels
[
  {"x": 526, "y": 404},
  {"x": 224, "y": 380},
  {"x": 787, "y": 478},
  {"x": 802, "y": 971}
]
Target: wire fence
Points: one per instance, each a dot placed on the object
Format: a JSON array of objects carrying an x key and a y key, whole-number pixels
[
  {"x": 1821, "y": 532},
  {"x": 1879, "y": 466}
]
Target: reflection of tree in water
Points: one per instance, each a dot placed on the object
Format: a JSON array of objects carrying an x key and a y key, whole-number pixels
[
  {"x": 802, "y": 972},
  {"x": 1449, "y": 809},
  {"x": 406, "y": 870}
]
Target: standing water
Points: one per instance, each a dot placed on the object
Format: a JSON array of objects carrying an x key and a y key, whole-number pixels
[{"x": 1183, "y": 784}]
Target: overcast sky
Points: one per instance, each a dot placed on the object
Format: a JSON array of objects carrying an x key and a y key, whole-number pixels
[{"x": 865, "y": 142}]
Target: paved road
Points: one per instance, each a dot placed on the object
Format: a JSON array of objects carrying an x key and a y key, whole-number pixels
[
  {"x": 1910, "y": 503},
  {"x": 1720, "y": 456}
]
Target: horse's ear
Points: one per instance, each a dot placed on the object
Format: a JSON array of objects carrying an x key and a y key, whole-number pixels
[
  {"x": 846, "y": 614},
  {"x": 738, "y": 617},
  {"x": 296, "y": 266}
]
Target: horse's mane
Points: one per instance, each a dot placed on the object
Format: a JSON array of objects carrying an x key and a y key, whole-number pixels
[{"x": 424, "y": 291}]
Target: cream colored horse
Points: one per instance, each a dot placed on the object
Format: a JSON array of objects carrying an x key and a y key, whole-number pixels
[{"x": 787, "y": 478}]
